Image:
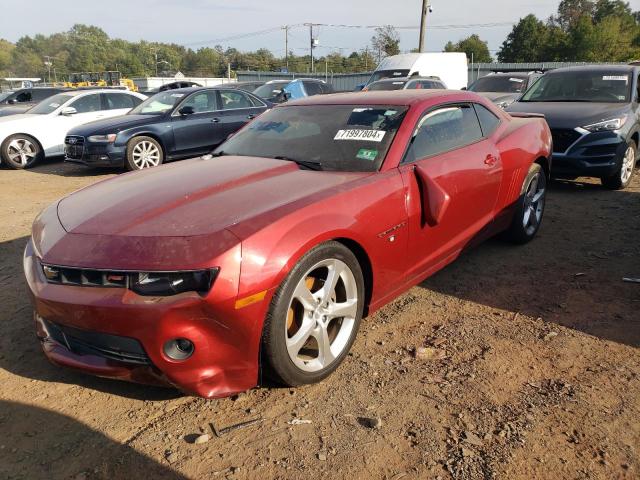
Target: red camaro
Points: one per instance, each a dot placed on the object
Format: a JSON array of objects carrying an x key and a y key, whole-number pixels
[{"x": 265, "y": 255}]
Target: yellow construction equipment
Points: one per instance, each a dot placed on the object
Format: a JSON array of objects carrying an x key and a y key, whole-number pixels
[{"x": 100, "y": 79}]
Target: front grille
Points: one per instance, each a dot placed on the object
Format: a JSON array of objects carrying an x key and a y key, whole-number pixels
[
  {"x": 563, "y": 139},
  {"x": 113, "y": 347},
  {"x": 84, "y": 277},
  {"x": 74, "y": 146}
]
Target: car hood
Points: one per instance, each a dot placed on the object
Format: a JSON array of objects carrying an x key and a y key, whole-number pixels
[
  {"x": 115, "y": 124},
  {"x": 196, "y": 197},
  {"x": 571, "y": 114}
]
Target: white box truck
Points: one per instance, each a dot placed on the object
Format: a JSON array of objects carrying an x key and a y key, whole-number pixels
[{"x": 451, "y": 68}]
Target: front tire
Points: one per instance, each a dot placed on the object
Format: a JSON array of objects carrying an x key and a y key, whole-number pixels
[
  {"x": 530, "y": 209},
  {"x": 21, "y": 151},
  {"x": 143, "y": 153},
  {"x": 314, "y": 316},
  {"x": 622, "y": 178}
]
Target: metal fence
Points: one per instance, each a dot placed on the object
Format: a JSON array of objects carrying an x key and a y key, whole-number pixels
[{"x": 348, "y": 81}]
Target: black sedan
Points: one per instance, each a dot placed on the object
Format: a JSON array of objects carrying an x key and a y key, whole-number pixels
[
  {"x": 170, "y": 125},
  {"x": 594, "y": 116}
]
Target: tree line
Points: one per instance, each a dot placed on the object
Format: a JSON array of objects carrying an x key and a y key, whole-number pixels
[{"x": 581, "y": 30}]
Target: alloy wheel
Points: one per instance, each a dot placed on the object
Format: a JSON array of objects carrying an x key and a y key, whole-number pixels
[
  {"x": 628, "y": 162},
  {"x": 21, "y": 151},
  {"x": 146, "y": 155},
  {"x": 322, "y": 315},
  {"x": 534, "y": 203}
]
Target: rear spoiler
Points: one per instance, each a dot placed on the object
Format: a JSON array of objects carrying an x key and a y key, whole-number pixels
[{"x": 526, "y": 115}]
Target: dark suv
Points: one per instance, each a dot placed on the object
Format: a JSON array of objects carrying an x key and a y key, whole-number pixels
[
  {"x": 279, "y": 91},
  {"x": 19, "y": 101},
  {"x": 594, "y": 116}
]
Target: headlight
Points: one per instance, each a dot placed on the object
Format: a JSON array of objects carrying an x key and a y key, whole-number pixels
[
  {"x": 109, "y": 138},
  {"x": 172, "y": 283},
  {"x": 607, "y": 125}
]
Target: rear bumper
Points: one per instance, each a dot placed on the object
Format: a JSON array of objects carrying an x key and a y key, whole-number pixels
[{"x": 593, "y": 155}]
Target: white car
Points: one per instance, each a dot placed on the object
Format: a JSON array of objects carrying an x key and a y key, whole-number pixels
[{"x": 28, "y": 138}]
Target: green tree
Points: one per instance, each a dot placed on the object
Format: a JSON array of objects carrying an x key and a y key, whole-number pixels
[
  {"x": 526, "y": 42},
  {"x": 6, "y": 49},
  {"x": 386, "y": 41},
  {"x": 475, "y": 48}
]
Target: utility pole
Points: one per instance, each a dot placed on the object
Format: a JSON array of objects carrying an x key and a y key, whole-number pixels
[
  {"x": 286, "y": 45},
  {"x": 423, "y": 24},
  {"x": 156, "y": 57},
  {"x": 48, "y": 63},
  {"x": 311, "y": 44}
]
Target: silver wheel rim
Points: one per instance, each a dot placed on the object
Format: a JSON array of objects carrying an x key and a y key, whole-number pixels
[
  {"x": 21, "y": 151},
  {"x": 533, "y": 203},
  {"x": 321, "y": 315},
  {"x": 628, "y": 162},
  {"x": 146, "y": 155}
]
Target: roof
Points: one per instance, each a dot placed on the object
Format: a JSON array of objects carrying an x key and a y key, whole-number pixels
[
  {"x": 385, "y": 97},
  {"x": 289, "y": 80},
  {"x": 596, "y": 68}
]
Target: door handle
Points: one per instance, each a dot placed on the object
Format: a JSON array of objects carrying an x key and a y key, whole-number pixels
[
  {"x": 490, "y": 160},
  {"x": 252, "y": 116},
  {"x": 215, "y": 120}
]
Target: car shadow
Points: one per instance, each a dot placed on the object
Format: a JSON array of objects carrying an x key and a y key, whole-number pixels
[
  {"x": 20, "y": 351},
  {"x": 57, "y": 166},
  {"x": 39, "y": 443},
  {"x": 571, "y": 273}
]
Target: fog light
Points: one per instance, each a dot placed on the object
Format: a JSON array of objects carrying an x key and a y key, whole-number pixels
[{"x": 179, "y": 349}]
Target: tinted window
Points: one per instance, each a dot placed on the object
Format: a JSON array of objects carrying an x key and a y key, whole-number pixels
[
  {"x": 158, "y": 104},
  {"x": 117, "y": 101},
  {"x": 40, "y": 94},
  {"x": 202, "y": 102},
  {"x": 24, "y": 96},
  {"x": 312, "y": 88},
  {"x": 350, "y": 138},
  {"x": 443, "y": 130},
  {"x": 88, "y": 103},
  {"x": 326, "y": 88},
  {"x": 234, "y": 99},
  {"x": 424, "y": 84},
  {"x": 380, "y": 74},
  {"x": 51, "y": 104},
  {"x": 606, "y": 86},
  {"x": 270, "y": 90},
  {"x": 488, "y": 121}
]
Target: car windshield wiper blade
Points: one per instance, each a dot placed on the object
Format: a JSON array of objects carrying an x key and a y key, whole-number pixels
[{"x": 303, "y": 163}]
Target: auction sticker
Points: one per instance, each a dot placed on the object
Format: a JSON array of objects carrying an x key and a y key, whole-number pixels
[
  {"x": 366, "y": 154},
  {"x": 362, "y": 135},
  {"x": 616, "y": 78}
]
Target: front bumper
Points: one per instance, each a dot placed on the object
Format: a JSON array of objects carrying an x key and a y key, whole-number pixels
[
  {"x": 96, "y": 154},
  {"x": 225, "y": 360},
  {"x": 592, "y": 155}
]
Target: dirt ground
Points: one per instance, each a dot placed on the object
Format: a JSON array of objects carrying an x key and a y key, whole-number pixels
[{"x": 530, "y": 371}]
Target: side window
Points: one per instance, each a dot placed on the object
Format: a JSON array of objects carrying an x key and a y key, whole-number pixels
[
  {"x": 88, "y": 103},
  {"x": 202, "y": 102},
  {"x": 488, "y": 121},
  {"x": 326, "y": 88},
  {"x": 24, "y": 96},
  {"x": 312, "y": 88},
  {"x": 234, "y": 99},
  {"x": 443, "y": 130},
  {"x": 117, "y": 101},
  {"x": 41, "y": 93}
]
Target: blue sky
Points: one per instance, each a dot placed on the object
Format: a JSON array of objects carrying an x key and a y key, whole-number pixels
[{"x": 199, "y": 22}]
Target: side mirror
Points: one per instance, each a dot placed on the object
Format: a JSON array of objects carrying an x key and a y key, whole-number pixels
[
  {"x": 188, "y": 110},
  {"x": 286, "y": 95},
  {"x": 68, "y": 111},
  {"x": 12, "y": 101}
]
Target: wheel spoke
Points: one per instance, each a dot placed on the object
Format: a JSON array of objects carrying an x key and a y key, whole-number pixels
[
  {"x": 344, "y": 309},
  {"x": 533, "y": 186},
  {"x": 23, "y": 159},
  {"x": 333, "y": 275},
  {"x": 304, "y": 296},
  {"x": 536, "y": 198},
  {"x": 295, "y": 343},
  {"x": 526, "y": 217},
  {"x": 325, "y": 355}
]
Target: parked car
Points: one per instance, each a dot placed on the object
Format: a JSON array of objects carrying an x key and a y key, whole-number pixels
[
  {"x": 280, "y": 91},
  {"x": 263, "y": 259},
  {"x": 504, "y": 88},
  {"x": 168, "y": 126},
  {"x": 27, "y": 138},
  {"x": 406, "y": 83},
  {"x": 451, "y": 67},
  {"x": 21, "y": 100},
  {"x": 246, "y": 86},
  {"x": 594, "y": 116}
]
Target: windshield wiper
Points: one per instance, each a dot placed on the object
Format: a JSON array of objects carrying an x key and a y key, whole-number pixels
[
  {"x": 303, "y": 163},
  {"x": 221, "y": 153}
]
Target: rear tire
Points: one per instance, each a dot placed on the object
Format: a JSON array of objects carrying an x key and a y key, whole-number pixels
[
  {"x": 309, "y": 329},
  {"x": 530, "y": 209},
  {"x": 143, "y": 153},
  {"x": 21, "y": 151},
  {"x": 624, "y": 175}
]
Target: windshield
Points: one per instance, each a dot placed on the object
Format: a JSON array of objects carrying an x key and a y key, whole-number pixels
[
  {"x": 270, "y": 90},
  {"x": 581, "y": 86},
  {"x": 380, "y": 74},
  {"x": 386, "y": 85},
  {"x": 4, "y": 95},
  {"x": 504, "y": 84},
  {"x": 158, "y": 104},
  {"x": 50, "y": 104},
  {"x": 347, "y": 138}
]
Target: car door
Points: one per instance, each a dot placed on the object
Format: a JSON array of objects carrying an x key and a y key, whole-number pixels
[
  {"x": 88, "y": 107},
  {"x": 452, "y": 173},
  {"x": 197, "y": 125},
  {"x": 237, "y": 109}
]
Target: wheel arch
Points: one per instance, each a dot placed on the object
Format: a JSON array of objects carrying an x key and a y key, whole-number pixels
[
  {"x": 365, "y": 264},
  {"x": 544, "y": 163},
  {"x": 153, "y": 135}
]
